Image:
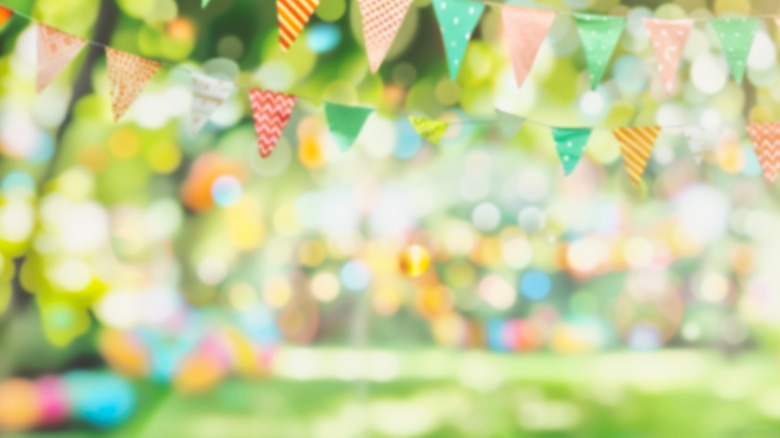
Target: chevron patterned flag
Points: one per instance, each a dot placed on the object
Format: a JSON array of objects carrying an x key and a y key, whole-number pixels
[
  {"x": 431, "y": 130},
  {"x": 208, "y": 95},
  {"x": 56, "y": 49},
  {"x": 669, "y": 39},
  {"x": 701, "y": 141},
  {"x": 381, "y": 21},
  {"x": 5, "y": 15},
  {"x": 526, "y": 30},
  {"x": 128, "y": 75},
  {"x": 293, "y": 16},
  {"x": 636, "y": 144},
  {"x": 271, "y": 112},
  {"x": 766, "y": 139}
]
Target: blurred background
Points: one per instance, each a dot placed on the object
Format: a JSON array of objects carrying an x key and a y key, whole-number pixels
[{"x": 159, "y": 284}]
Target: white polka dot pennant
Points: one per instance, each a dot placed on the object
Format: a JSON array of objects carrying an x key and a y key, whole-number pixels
[{"x": 457, "y": 20}]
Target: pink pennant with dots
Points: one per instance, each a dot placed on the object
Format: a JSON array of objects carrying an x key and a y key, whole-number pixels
[{"x": 669, "y": 39}]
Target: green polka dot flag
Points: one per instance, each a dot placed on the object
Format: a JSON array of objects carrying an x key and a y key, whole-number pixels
[
  {"x": 457, "y": 20},
  {"x": 600, "y": 35},
  {"x": 736, "y": 36}
]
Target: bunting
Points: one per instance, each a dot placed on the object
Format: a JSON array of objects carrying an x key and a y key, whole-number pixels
[
  {"x": 599, "y": 35},
  {"x": 636, "y": 144},
  {"x": 293, "y": 16},
  {"x": 345, "y": 123},
  {"x": 701, "y": 141},
  {"x": 736, "y": 36},
  {"x": 766, "y": 140},
  {"x": 431, "y": 130},
  {"x": 570, "y": 144},
  {"x": 56, "y": 50},
  {"x": 526, "y": 30},
  {"x": 457, "y": 20},
  {"x": 271, "y": 113},
  {"x": 510, "y": 124},
  {"x": 208, "y": 95},
  {"x": 5, "y": 15},
  {"x": 381, "y": 21},
  {"x": 669, "y": 39},
  {"x": 128, "y": 75}
]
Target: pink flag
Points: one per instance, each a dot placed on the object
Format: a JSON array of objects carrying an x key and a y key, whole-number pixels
[
  {"x": 525, "y": 30},
  {"x": 381, "y": 21},
  {"x": 766, "y": 140},
  {"x": 56, "y": 49},
  {"x": 669, "y": 39},
  {"x": 271, "y": 113},
  {"x": 128, "y": 75}
]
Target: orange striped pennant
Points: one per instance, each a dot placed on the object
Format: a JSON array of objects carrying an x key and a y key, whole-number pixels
[
  {"x": 293, "y": 16},
  {"x": 636, "y": 144}
]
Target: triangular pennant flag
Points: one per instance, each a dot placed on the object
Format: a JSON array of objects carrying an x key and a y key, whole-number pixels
[
  {"x": 570, "y": 144},
  {"x": 457, "y": 18},
  {"x": 510, "y": 124},
  {"x": 271, "y": 113},
  {"x": 669, "y": 39},
  {"x": 208, "y": 95},
  {"x": 525, "y": 31},
  {"x": 599, "y": 35},
  {"x": 345, "y": 123},
  {"x": 56, "y": 49},
  {"x": 128, "y": 75},
  {"x": 736, "y": 36},
  {"x": 701, "y": 141},
  {"x": 636, "y": 144},
  {"x": 205, "y": 3},
  {"x": 293, "y": 16},
  {"x": 381, "y": 21},
  {"x": 5, "y": 15},
  {"x": 431, "y": 130},
  {"x": 766, "y": 139}
]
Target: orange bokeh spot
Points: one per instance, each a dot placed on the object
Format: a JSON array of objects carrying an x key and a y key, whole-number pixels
[
  {"x": 196, "y": 191},
  {"x": 5, "y": 15}
]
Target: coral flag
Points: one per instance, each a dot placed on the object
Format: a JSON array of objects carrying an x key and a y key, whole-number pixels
[
  {"x": 525, "y": 31},
  {"x": 293, "y": 16},
  {"x": 766, "y": 139},
  {"x": 431, "y": 130},
  {"x": 5, "y": 15},
  {"x": 570, "y": 144},
  {"x": 56, "y": 49},
  {"x": 669, "y": 39},
  {"x": 457, "y": 20},
  {"x": 736, "y": 36},
  {"x": 599, "y": 35},
  {"x": 345, "y": 123},
  {"x": 701, "y": 141},
  {"x": 271, "y": 113},
  {"x": 381, "y": 21},
  {"x": 636, "y": 144},
  {"x": 208, "y": 95},
  {"x": 128, "y": 75}
]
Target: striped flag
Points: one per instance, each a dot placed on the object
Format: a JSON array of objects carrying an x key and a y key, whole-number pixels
[
  {"x": 271, "y": 112},
  {"x": 293, "y": 16},
  {"x": 636, "y": 144}
]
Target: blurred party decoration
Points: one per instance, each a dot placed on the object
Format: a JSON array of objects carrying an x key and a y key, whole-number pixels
[
  {"x": 510, "y": 124},
  {"x": 736, "y": 36},
  {"x": 457, "y": 20},
  {"x": 204, "y": 3},
  {"x": 345, "y": 123},
  {"x": 701, "y": 141},
  {"x": 570, "y": 144},
  {"x": 668, "y": 39},
  {"x": 415, "y": 261},
  {"x": 128, "y": 75},
  {"x": 56, "y": 49},
  {"x": 381, "y": 21},
  {"x": 599, "y": 35},
  {"x": 766, "y": 139},
  {"x": 526, "y": 30},
  {"x": 208, "y": 95},
  {"x": 271, "y": 113},
  {"x": 431, "y": 130},
  {"x": 293, "y": 16},
  {"x": 5, "y": 15},
  {"x": 636, "y": 145}
]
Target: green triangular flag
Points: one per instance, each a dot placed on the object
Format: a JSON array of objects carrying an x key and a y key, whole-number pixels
[
  {"x": 345, "y": 123},
  {"x": 457, "y": 20},
  {"x": 431, "y": 130},
  {"x": 599, "y": 35},
  {"x": 736, "y": 35},
  {"x": 510, "y": 124},
  {"x": 570, "y": 143}
]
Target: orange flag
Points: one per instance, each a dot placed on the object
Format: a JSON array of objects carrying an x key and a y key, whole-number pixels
[
  {"x": 636, "y": 144},
  {"x": 5, "y": 15},
  {"x": 128, "y": 75},
  {"x": 293, "y": 16},
  {"x": 56, "y": 49},
  {"x": 766, "y": 139}
]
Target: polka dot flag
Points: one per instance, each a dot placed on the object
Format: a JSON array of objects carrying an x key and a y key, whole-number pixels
[
  {"x": 457, "y": 20},
  {"x": 599, "y": 35},
  {"x": 736, "y": 36}
]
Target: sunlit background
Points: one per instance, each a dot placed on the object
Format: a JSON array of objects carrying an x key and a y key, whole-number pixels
[{"x": 159, "y": 284}]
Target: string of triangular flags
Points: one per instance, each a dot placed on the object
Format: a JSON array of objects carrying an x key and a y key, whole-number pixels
[{"x": 129, "y": 74}]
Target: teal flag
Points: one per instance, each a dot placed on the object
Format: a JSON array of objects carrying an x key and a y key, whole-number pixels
[
  {"x": 570, "y": 143},
  {"x": 510, "y": 124},
  {"x": 457, "y": 20},
  {"x": 736, "y": 35},
  {"x": 345, "y": 123},
  {"x": 600, "y": 35}
]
